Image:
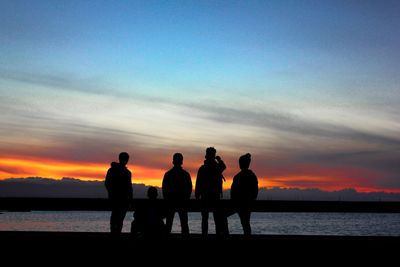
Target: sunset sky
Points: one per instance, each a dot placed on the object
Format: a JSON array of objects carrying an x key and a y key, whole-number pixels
[{"x": 310, "y": 88}]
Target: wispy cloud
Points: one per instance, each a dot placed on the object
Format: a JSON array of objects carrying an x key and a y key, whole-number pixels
[
  {"x": 54, "y": 80},
  {"x": 291, "y": 124},
  {"x": 98, "y": 124}
]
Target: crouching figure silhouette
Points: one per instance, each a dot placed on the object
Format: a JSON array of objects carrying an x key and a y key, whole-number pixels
[{"x": 148, "y": 219}]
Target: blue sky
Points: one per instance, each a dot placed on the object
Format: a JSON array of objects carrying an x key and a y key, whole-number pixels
[{"x": 294, "y": 82}]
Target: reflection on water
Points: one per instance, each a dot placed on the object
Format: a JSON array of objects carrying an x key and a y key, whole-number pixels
[{"x": 262, "y": 223}]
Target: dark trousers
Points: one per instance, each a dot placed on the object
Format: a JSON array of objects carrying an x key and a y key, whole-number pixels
[
  {"x": 183, "y": 217},
  {"x": 244, "y": 215},
  {"x": 220, "y": 218},
  {"x": 118, "y": 213}
]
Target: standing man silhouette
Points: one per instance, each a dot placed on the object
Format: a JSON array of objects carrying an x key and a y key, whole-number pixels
[
  {"x": 209, "y": 191},
  {"x": 177, "y": 188},
  {"x": 119, "y": 187},
  {"x": 244, "y": 191}
]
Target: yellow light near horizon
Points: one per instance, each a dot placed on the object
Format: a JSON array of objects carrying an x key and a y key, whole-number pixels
[
  {"x": 42, "y": 167},
  {"x": 18, "y": 168},
  {"x": 51, "y": 168},
  {"x": 91, "y": 171}
]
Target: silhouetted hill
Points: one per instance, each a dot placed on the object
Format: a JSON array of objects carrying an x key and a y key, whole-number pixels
[
  {"x": 75, "y": 188},
  {"x": 64, "y": 188},
  {"x": 348, "y": 194}
]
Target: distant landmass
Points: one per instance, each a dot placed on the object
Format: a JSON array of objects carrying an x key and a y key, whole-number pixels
[
  {"x": 75, "y": 188},
  {"x": 64, "y": 188}
]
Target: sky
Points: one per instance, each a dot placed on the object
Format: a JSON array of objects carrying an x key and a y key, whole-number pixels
[{"x": 310, "y": 88}]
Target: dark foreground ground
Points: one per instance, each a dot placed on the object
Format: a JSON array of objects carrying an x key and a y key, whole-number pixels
[{"x": 66, "y": 247}]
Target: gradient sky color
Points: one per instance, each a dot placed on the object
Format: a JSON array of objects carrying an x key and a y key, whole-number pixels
[{"x": 309, "y": 88}]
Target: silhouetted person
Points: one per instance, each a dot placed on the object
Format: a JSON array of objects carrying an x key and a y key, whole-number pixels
[
  {"x": 209, "y": 191},
  {"x": 148, "y": 219},
  {"x": 119, "y": 187},
  {"x": 177, "y": 188},
  {"x": 244, "y": 191}
]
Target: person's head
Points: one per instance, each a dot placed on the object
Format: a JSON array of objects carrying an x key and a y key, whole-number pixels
[
  {"x": 152, "y": 192},
  {"x": 123, "y": 158},
  {"x": 177, "y": 159},
  {"x": 210, "y": 153},
  {"x": 244, "y": 161}
]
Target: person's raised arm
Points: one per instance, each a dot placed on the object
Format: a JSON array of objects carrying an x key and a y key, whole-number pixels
[{"x": 221, "y": 163}]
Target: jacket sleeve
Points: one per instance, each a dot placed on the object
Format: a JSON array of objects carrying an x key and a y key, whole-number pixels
[
  {"x": 107, "y": 182},
  {"x": 189, "y": 185},
  {"x": 255, "y": 187},
  {"x": 130, "y": 191},
  {"x": 165, "y": 186},
  {"x": 199, "y": 184},
  {"x": 234, "y": 188}
]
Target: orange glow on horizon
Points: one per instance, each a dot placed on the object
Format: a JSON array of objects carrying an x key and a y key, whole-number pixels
[
  {"x": 19, "y": 168},
  {"x": 37, "y": 167}
]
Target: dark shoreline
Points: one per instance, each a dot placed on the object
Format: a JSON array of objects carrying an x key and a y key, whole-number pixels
[{"x": 64, "y": 204}]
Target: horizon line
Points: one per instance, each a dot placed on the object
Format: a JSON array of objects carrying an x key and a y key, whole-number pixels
[{"x": 224, "y": 189}]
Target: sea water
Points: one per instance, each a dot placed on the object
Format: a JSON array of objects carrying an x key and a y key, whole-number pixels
[{"x": 275, "y": 223}]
